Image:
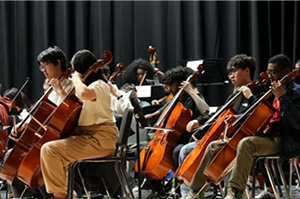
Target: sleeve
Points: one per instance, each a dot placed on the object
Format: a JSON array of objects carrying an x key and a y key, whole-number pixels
[{"x": 290, "y": 105}]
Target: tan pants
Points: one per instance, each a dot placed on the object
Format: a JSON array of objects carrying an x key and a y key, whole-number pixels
[{"x": 87, "y": 142}]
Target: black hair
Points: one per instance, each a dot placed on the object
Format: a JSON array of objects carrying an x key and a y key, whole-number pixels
[
  {"x": 22, "y": 100},
  {"x": 281, "y": 60},
  {"x": 82, "y": 61},
  {"x": 52, "y": 54},
  {"x": 177, "y": 75},
  {"x": 242, "y": 61}
]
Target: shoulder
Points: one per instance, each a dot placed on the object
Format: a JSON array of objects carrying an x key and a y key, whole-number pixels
[{"x": 100, "y": 86}]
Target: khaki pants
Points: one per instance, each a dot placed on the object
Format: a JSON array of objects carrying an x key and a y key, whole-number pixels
[
  {"x": 87, "y": 142},
  {"x": 199, "y": 178},
  {"x": 247, "y": 148}
]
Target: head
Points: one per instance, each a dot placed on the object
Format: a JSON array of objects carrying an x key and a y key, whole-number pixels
[
  {"x": 21, "y": 100},
  {"x": 278, "y": 66},
  {"x": 174, "y": 77},
  {"x": 241, "y": 69},
  {"x": 82, "y": 61},
  {"x": 140, "y": 72},
  {"x": 52, "y": 62}
]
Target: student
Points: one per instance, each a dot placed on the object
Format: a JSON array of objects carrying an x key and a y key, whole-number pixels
[
  {"x": 267, "y": 142},
  {"x": 279, "y": 136},
  {"x": 52, "y": 63},
  {"x": 192, "y": 99},
  {"x": 96, "y": 134},
  {"x": 241, "y": 69}
]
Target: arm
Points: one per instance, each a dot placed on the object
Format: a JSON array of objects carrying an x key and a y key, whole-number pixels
[
  {"x": 58, "y": 88},
  {"x": 200, "y": 103},
  {"x": 152, "y": 116},
  {"x": 289, "y": 102},
  {"x": 81, "y": 90}
]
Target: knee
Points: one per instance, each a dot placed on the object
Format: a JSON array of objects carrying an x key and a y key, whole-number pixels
[
  {"x": 245, "y": 144},
  {"x": 46, "y": 149}
]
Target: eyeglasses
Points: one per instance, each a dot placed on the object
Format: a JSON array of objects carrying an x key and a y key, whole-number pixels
[
  {"x": 43, "y": 68},
  {"x": 272, "y": 73}
]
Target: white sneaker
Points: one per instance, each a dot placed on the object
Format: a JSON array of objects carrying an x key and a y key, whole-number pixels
[
  {"x": 249, "y": 184},
  {"x": 265, "y": 195}
]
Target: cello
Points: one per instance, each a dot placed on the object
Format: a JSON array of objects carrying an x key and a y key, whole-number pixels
[
  {"x": 216, "y": 125},
  {"x": 59, "y": 124},
  {"x": 249, "y": 124},
  {"x": 156, "y": 157},
  {"x": 41, "y": 110}
]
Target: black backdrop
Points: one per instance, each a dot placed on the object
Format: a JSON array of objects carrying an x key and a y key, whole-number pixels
[{"x": 178, "y": 29}]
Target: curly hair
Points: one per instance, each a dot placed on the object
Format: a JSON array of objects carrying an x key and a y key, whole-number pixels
[{"x": 177, "y": 75}]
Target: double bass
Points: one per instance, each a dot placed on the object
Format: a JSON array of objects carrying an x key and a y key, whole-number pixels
[
  {"x": 249, "y": 123},
  {"x": 154, "y": 62},
  {"x": 212, "y": 130},
  {"x": 60, "y": 124},
  {"x": 156, "y": 157}
]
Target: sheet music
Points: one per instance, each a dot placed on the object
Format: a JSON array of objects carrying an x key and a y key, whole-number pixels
[
  {"x": 194, "y": 64},
  {"x": 143, "y": 91}
]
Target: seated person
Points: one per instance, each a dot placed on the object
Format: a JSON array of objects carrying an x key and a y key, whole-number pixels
[{"x": 190, "y": 98}]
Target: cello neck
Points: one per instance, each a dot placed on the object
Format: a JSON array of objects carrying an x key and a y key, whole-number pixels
[
  {"x": 287, "y": 78},
  {"x": 172, "y": 104}
]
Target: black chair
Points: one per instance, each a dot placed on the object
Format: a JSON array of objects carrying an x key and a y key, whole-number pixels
[{"x": 118, "y": 161}]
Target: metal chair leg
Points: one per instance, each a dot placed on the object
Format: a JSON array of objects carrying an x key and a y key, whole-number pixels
[
  {"x": 123, "y": 180},
  {"x": 271, "y": 178},
  {"x": 279, "y": 166}
]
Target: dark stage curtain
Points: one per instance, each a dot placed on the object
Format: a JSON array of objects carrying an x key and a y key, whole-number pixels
[{"x": 179, "y": 30}]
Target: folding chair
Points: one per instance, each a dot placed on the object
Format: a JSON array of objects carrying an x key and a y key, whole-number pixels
[{"x": 118, "y": 160}]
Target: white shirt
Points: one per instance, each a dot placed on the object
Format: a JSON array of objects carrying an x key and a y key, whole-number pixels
[
  {"x": 120, "y": 105},
  {"x": 67, "y": 86},
  {"x": 98, "y": 111}
]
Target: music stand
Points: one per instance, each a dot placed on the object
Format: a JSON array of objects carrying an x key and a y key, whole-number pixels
[
  {"x": 140, "y": 119},
  {"x": 215, "y": 73}
]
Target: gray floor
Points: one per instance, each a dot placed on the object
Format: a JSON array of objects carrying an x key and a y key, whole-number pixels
[{"x": 295, "y": 194}]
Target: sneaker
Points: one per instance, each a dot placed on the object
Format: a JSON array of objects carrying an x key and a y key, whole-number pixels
[
  {"x": 265, "y": 195},
  {"x": 191, "y": 195},
  {"x": 230, "y": 194},
  {"x": 249, "y": 184},
  {"x": 233, "y": 194}
]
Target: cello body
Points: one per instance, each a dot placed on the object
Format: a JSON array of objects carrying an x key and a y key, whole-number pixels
[
  {"x": 25, "y": 142},
  {"x": 190, "y": 164},
  {"x": 156, "y": 157},
  {"x": 61, "y": 125},
  {"x": 222, "y": 163}
]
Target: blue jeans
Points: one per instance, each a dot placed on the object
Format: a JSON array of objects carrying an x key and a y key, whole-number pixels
[{"x": 184, "y": 151}]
